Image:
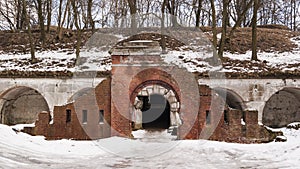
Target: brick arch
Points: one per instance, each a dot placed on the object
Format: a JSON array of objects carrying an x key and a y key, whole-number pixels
[{"x": 153, "y": 76}]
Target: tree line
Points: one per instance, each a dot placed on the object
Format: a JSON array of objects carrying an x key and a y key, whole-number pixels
[{"x": 16, "y": 15}]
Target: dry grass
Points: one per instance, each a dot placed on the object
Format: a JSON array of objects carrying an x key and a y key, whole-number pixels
[
  {"x": 268, "y": 40},
  {"x": 18, "y": 42}
]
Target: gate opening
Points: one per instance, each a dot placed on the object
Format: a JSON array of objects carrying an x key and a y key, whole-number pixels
[
  {"x": 156, "y": 114},
  {"x": 155, "y": 109}
]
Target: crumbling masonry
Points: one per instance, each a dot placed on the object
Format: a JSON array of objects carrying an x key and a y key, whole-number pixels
[{"x": 194, "y": 112}]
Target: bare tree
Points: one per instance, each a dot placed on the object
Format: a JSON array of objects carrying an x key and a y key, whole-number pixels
[
  {"x": 19, "y": 14},
  {"x": 240, "y": 18},
  {"x": 74, "y": 4},
  {"x": 224, "y": 28},
  {"x": 32, "y": 45},
  {"x": 62, "y": 17},
  {"x": 49, "y": 14},
  {"x": 172, "y": 6},
  {"x": 254, "y": 30},
  {"x": 214, "y": 24},
  {"x": 90, "y": 16},
  {"x": 59, "y": 24},
  {"x": 41, "y": 21},
  {"x": 133, "y": 12},
  {"x": 198, "y": 12}
]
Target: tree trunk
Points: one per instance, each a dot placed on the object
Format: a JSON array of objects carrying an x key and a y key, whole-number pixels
[
  {"x": 19, "y": 12},
  {"x": 214, "y": 24},
  {"x": 59, "y": 20},
  {"x": 49, "y": 14},
  {"x": 295, "y": 15},
  {"x": 163, "y": 39},
  {"x": 23, "y": 23},
  {"x": 89, "y": 15},
  {"x": 198, "y": 13},
  {"x": 41, "y": 22},
  {"x": 133, "y": 10},
  {"x": 254, "y": 31},
  {"x": 78, "y": 44},
  {"x": 224, "y": 29},
  {"x": 32, "y": 45}
]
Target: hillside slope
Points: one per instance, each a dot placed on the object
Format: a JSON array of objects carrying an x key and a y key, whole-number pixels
[{"x": 279, "y": 53}]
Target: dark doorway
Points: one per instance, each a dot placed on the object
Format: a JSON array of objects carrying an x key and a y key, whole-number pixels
[
  {"x": 156, "y": 114},
  {"x": 21, "y": 105}
]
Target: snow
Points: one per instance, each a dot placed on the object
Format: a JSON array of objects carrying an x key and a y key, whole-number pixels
[
  {"x": 48, "y": 61},
  {"x": 95, "y": 61},
  {"x": 19, "y": 150},
  {"x": 295, "y": 125},
  {"x": 243, "y": 122},
  {"x": 273, "y": 59},
  {"x": 192, "y": 61},
  {"x": 283, "y": 61},
  {"x": 141, "y": 41}
]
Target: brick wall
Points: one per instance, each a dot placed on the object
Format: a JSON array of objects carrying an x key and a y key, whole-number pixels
[
  {"x": 213, "y": 127},
  {"x": 229, "y": 129},
  {"x": 75, "y": 127}
]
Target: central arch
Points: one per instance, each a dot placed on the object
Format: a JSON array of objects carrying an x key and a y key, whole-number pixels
[
  {"x": 128, "y": 81},
  {"x": 155, "y": 106},
  {"x": 155, "y": 101}
]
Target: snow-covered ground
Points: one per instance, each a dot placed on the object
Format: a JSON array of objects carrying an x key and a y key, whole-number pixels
[
  {"x": 93, "y": 60},
  {"x": 47, "y": 61},
  {"x": 19, "y": 150},
  {"x": 283, "y": 61}
]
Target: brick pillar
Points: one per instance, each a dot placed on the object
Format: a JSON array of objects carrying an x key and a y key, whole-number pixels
[
  {"x": 120, "y": 125},
  {"x": 42, "y": 124},
  {"x": 252, "y": 127},
  {"x": 235, "y": 126}
]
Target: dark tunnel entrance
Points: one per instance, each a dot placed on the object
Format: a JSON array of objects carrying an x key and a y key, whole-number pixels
[
  {"x": 21, "y": 105},
  {"x": 155, "y": 112},
  {"x": 282, "y": 108}
]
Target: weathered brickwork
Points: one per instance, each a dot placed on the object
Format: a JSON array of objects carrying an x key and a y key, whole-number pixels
[
  {"x": 203, "y": 113},
  {"x": 209, "y": 124},
  {"x": 69, "y": 121}
]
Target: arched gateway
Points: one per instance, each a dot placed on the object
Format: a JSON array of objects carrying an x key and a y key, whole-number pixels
[{"x": 140, "y": 77}]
